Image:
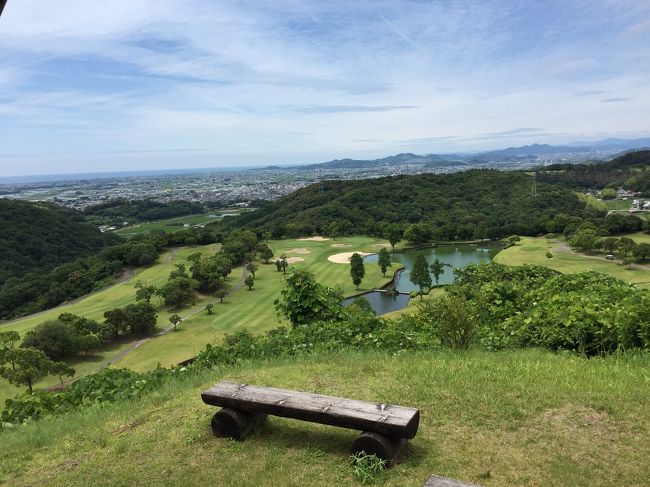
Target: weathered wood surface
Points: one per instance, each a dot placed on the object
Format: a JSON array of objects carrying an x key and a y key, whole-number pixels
[
  {"x": 387, "y": 448},
  {"x": 386, "y": 419},
  {"x": 435, "y": 481},
  {"x": 233, "y": 423}
]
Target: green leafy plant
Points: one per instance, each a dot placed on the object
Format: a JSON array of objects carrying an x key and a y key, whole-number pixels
[{"x": 366, "y": 468}]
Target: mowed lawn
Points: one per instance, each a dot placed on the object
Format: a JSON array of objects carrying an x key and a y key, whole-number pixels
[
  {"x": 532, "y": 250},
  {"x": 96, "y": 304},
  {"x": 523, "y": 417},
  {"x": 254, "y": 310}
]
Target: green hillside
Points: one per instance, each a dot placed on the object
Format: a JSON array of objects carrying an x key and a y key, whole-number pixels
[
  {"x": 498, "y": 419},
  {"x": 40, "y": 236},
  {"x": 464, "y": 205}
]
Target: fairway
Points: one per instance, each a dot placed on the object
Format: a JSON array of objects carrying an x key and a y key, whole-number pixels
[
  {"x": 253, "y": 310},
  {"x": 532, "y": 250},
  {"x": 244, "y": 309},
  {"x": 94, "y": 306},
  {"x": 170, "y": 225}
]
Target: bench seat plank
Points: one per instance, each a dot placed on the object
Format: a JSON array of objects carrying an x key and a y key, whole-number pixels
[{"x": 386, "y": 419}]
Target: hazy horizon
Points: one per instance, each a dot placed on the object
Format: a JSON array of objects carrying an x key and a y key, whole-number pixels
[{"x": 165, "y": 84}]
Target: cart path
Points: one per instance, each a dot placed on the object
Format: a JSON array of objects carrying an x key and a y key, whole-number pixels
[{"x": 194, "y": 311}]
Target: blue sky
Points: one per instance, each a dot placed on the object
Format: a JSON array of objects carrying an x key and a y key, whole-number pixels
[{"x": 147, "y": 84}]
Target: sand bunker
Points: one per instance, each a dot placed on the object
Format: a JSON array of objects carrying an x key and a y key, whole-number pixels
[
  {"x": 315, "y": 239},
  {"x": 381, "y": 245},
  {"x": 294, "y": 260},
  {"x": 344, "y": 257},
  {"x": 300, "y": 250},
  {"x": 340, "y": 245}
]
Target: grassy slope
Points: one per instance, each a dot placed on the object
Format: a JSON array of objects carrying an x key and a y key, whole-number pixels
[
  {"x": 511, "y": 418},
  {"x": 533, "y": 251},
  {"x": 94, "y": 306},
  {"x": 252, "y": 310}
]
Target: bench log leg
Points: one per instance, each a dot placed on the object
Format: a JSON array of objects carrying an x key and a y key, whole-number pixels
[
  {"x": 233, "y": 423},
  {"x": 385, "y": 447}
]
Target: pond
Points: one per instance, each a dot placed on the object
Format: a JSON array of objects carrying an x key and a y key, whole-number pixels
[
  {"x": 453, "y": 256},
  {"x": 380, "y": 302}
]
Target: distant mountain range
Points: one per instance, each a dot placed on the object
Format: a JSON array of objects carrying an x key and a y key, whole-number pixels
[{"x": 575, "y": 150}]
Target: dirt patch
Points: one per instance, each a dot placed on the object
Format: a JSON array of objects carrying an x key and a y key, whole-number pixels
[
  {"x": 344, "y": 257},
  {"x": 294, "y": 260},
  {"x": 300, "y": 250},
  {"x": 314, "y": 239},
  {"x": 341, "y": 245}
]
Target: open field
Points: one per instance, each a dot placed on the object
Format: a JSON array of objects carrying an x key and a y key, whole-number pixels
[
  {"x": 495, "y": 418},
  {"x": 252, "y": 310},
  {"x": 532, "y": 250}
]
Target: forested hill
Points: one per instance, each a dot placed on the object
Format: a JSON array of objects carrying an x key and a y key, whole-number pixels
[
  {"x": 628, "y": 170},
  {"x": 39, "y": 236},
  {"x": 463, "y": 205}
]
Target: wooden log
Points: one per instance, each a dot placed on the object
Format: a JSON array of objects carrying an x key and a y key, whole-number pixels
[
  {"x": 386, "y": 419},
  {"x": 435, "y": 481},
  {"x": 232, "y": 423},
  {"x": 385, "y": 447}
]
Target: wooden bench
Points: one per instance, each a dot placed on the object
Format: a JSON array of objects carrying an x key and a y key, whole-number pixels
[{"x": 385, "y": 427}]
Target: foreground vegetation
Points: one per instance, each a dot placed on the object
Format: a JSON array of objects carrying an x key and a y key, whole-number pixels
[{"x": 509, "y": 418}]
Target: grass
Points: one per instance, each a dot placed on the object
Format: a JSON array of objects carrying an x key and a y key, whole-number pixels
[
  {"x": 618, "y": 204},
  {"x": 252, "y": 310},
  {"x": 170, "y": 225},
  {"x": 96, "y": 304},
  {"x": 509, "y": 418},
  {"x": 532, "y": 250}
]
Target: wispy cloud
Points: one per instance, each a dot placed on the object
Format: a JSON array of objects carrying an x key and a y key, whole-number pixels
[
  {"x": 249, "y": 79},
  {"x": 351, "y": 108}
]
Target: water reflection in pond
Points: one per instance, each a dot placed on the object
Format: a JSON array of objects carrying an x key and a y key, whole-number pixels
[{"x": 380, "y": 302}]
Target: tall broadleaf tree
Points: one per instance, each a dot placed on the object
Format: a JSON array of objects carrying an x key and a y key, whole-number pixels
[
  {"x": 384, "y": 261},
  {"x": 437, "y": 269},
  {"x": 357, "y": 269},
  {"x": 420, "y": 274}
]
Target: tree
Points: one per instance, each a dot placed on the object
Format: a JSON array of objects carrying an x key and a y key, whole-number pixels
[
  {"x": 357, "y": 269},
  {"x": 208, "y": 308},
  {"x": 437, "y": 269},
  {"x": 178, "y": 291},
  {"x": 30, "y": 365},
  {"x": 418, "y": 233},
  {"x": 8, "y": 342},
  {"x": 333, "y": 230},
  {"x": 175, "y": 320},
  {"x": 249, "y": 281},
  {"x": 141, "y": 318},
  {"x": 642, "y": 251},
  {"x": 88, "y": 342},
  {"x": 61, "y": 370},
  {"x": 420, "y": 273},
  {"x": 55, "y": 338},
  {"x": 625, "y": 246},
  {"x": 303, "y": 300},
  {"x": 384, "y": 260},
  {"x": 394, "y": 235},
  {"x": 584, "y": 239},
  {"x": 144, "y": 292},
  {"x": 609, "y": 244},
  {"x": 221, "y": 294},
  {"x": 252, "y": 268},
  {"x": 608, "y": 194},
  {"x": 266, "y": 254}
]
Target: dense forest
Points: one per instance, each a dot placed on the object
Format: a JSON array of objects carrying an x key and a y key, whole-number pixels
[
  {"x": 463, "y": 205},
  {"x": 118, "y": 211},
  {"x": 40, "y": 236},
  {"x": 628, "y": 171}
]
